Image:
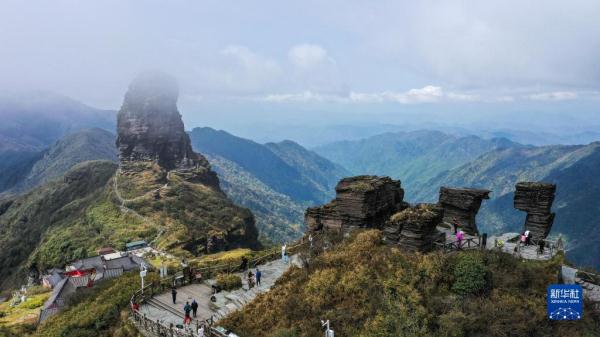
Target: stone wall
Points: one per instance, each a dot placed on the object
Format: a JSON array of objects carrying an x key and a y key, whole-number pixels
[
  {"x": 462, "y": 204},
  {"x": 361, "y": 201},
  {"x": 536, "y": 199}
]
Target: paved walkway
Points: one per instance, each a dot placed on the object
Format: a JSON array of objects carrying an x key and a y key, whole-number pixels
[
  {"x": 526, "y": 252},
  {"x": 161, "y": 307}
]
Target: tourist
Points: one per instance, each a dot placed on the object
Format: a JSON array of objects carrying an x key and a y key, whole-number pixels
[
  {"x": 542, "y": 244},
  {"x": 258, "y": 276},
  {"x": 484, "y": 240},
  {"x": 459, "y": 238},
  {"x": 194, "y": 307},
  {"x": 284, "y": 252},
  {"x": 187, "y": 309},
  {"x": 201, "y": 331},
  {"x": 527, "y": 237},
  {"x": 174, "y": 295},
  {"x": 455, "y": 225},
  {"x": 523, "y": 239},
  {"x": 250, "y": 280},
  {"x": 310, "y": 240},
  {"x": 244, "y": 263}
]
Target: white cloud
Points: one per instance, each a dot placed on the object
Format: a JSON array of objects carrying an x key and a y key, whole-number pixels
[
  {"x": 308, "y": 56},
  {"x": 242, "y": 70},
  {"x": 427, "y": 94},
  {"x": 554, "y": 96}
]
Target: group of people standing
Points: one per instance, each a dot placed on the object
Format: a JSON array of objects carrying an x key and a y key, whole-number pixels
[{"x": 254, "y": 278}]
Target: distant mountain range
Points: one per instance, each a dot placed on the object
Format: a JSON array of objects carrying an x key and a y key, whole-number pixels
[
  {"x": 32, "y": 121},
  {"x": 413, "y": 157},
  {"x": 277, "y": 181},
  {"x": 574, "y": 169}
]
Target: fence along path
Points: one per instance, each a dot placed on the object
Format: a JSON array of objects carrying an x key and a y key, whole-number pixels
[{"x": 158, "y": 316}]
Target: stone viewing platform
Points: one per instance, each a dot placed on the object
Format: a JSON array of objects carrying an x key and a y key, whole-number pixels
[{"x": 161, "y": 308}]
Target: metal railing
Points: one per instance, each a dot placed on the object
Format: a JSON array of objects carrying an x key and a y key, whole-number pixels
[
  {"x": 469, "y": 243},
  {"x": 186, "y": 276}
]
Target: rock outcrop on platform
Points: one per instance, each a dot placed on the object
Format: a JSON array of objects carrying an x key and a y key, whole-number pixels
[
  {"x": 361, "y": 201},
  {"x": 150, "y": 128},
  {"x": 536, "y": 199},
  {"x": 414, "y": 228},
  {"x": 462, "y": 204}
]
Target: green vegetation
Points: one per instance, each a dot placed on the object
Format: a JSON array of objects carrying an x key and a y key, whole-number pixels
[
  {"x": 368, "y": 289},
  {"x": 99, "y": 312},
  {"x": 56, "y": 205},
  {"x": 25, "y": 313},
  {"x": 469, "y": 275},
  {"x": 229, "y": 281}
]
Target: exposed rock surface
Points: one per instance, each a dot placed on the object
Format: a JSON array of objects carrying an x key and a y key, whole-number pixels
[
  {"x": 414, "y": 228},
  {"x": 361, "y": 201},
  {"x": 462, "y": 204},
  {"x": 150, "y": 128},
  {"x": 536, "y": 199}
]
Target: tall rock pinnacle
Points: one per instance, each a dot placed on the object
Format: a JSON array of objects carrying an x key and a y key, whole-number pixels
[{"x": 150, "y": 128}]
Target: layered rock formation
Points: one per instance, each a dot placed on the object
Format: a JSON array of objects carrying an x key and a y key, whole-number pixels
[
  {"x": 361, "y": 201},
  {"x": 414, "y": 228},
  {"x": 150, "y": 128},
  {"x": 462, "y": 204},
  {"x": 536, "y": 199}
]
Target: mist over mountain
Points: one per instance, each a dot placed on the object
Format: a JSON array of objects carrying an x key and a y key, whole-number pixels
[{"x": 414, "y": 157}]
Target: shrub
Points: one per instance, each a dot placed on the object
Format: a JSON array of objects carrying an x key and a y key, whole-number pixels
[
  {"x": 469, "y": 275},
  {"x": 229, "y": 281}
]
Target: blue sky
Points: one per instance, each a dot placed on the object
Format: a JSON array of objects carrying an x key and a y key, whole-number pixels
[{"x": 242, "y": 63}]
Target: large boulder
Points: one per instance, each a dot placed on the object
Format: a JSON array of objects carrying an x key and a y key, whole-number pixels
[
  {"x": 150, "y": 128},
  {"x": 536, "y": 199},
  {"x": 361, "y": 201},
  {"x": 462, "y": 204},
  {"x": 414, "y": 228}
]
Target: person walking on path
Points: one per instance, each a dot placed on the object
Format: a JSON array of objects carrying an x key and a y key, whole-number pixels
[
  {"x": 484, "y": 240},
  {"x": 258, "y": 276},
  {"x": 187, "y": 309},
  {"x": 194, "y": 307},
  {"x": 542, "y": 245},
  {"x": 527, "y": 237},
  {"x": 284, "y": 253},
  {"x": 174, "y": 295},
  {"x": 201, "y": 331}
]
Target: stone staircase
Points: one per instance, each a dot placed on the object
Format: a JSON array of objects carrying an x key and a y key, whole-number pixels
[{"x": 160, "y": 307}]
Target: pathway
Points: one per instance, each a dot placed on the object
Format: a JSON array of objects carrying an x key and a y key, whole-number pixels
[{"x": 161, "y": 307}]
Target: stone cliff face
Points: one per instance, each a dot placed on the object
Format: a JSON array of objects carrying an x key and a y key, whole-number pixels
[
  {"x": 361, "y": 201},
  {"x": 462, "y": 204},
  {"x": 159, "y": 167},
  {"x": 536, "y": 199},
  {"x": 150, "y": 128},
  {"x": 414, "y": 228}
]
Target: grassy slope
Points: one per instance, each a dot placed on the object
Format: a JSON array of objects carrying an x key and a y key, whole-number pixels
[
  {"x": 27, "y": 220},
  {"x": 73, "y": 217},
  {"x": 367, "y": 289}
]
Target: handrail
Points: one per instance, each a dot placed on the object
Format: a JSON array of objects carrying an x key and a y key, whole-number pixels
[{"x": 140, "y": 295}]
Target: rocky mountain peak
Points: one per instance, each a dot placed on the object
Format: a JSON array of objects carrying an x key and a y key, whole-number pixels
[{"x": 150, "y": 128}]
